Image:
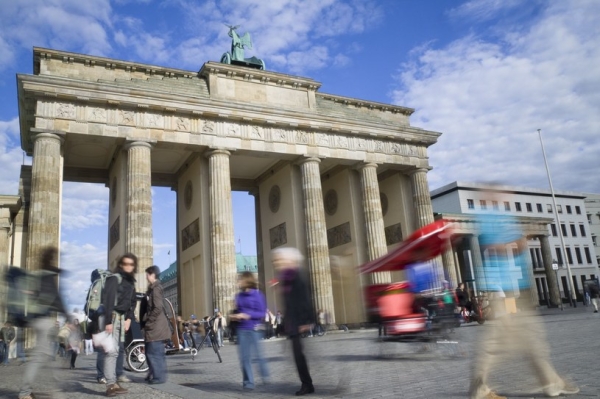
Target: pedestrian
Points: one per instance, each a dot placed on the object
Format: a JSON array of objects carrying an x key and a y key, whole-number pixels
[
  {"x": 251, "y": 305},
  {"x": 156, "y": 327},
  {"x": 219, "y": 326},
  {"x": 74, "y": 341},
  {"x": 298, "y": 306},
  {"x": 49, "y": 297},
  {"x": 195, "y": 328},
  {"x": 320, "y": 322},
  {"x": 88, "y": 346},
  {"x": 519, "y": 334},
  {"x": 594, "y": 294},
  {"x": 119, "y": 300},
  {"x": 269, "y": 324},
  {"x": 278, "y": 324},
  {"x": 121, "y": 377},
  {"x": 7, "y": 335}
]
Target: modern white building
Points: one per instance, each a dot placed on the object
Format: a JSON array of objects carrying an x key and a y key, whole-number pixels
[
  {"x": 592, "y": 210},
  {"x": 530, "y": 204}
]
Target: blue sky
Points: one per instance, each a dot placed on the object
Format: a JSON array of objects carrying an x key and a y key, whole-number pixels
[{"x": 485, "y": 73}]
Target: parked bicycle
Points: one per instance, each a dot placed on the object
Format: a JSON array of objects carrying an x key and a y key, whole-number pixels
[{"x": 210, "y": 335}]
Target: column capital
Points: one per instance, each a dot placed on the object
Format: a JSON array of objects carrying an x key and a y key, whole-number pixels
[
  {"x": 418, "y": 170},
  {"x": 308, "y": 158},
  {"x": 130, "y": 143},
  {"x": 216, "y": 151},
  {"x": 47, "y": 134},
  {"x": 363, "y": 165}
]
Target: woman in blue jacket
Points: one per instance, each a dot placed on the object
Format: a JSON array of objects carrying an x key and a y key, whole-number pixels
[{"x": 251, "y": 305}]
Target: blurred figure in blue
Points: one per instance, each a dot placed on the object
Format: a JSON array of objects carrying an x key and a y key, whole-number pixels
[
  {"x": 518, "y": 334},
  {"x": 43, "y": 352}
]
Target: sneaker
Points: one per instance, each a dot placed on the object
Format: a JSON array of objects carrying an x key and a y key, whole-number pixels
[
  {"x": 114, "y": 390},
  {"x": 186, "y": 349},
  {"x": 102, "y": 380},
  {"x": 123, "y": 378},
  {"x": 561, "y": 388}
]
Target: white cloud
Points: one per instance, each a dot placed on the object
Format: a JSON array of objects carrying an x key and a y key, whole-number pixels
[
  {"x": 11, "y": 157},
  {"x": 84, "y": 205},
  {"x": 77, "y": 262},
  {"x": 488, "y": 98}
]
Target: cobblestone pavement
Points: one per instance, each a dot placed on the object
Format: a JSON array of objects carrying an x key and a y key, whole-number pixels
[{"x": 349, "y": 365}]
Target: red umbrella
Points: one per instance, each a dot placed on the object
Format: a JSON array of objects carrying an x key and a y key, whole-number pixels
[{"x": 423, "y": 245}]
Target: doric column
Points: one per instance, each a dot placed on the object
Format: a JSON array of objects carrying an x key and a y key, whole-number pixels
[
  {"x": 4, "y": 261},
  {"x": 46, "y": 192},
  {"x": 550, "y": 273},
  {"x": 222, "y": 242},
  {"x": 138, "y": 231},
  {"x": 523, "y": 248},
  {"x": 449, "y": 265},
  {"x": 317, "y": 252},
  {"x": 421, "y": 197},
  {"x": 477, "y": 261},
  {"x": 376, "y": 245}
]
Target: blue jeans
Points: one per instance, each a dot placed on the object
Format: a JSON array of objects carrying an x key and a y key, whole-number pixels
[
  {"x": 249, "y": 341},
  {"x": 4, "y": 346},
  {"x": 155, "y": 353}
]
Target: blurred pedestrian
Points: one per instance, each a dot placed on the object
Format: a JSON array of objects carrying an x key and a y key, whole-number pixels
[
  {"x": 251, "y": 304},
  {"x": 74, "y": 341},
  {"x": 50, "y": 297},
  {"x": 219, "y": 326},
  {"x": 278, "y": 324},
  {"x": 519, "y": 334},
  {"x": 156, "y": 328},
  {"x": 298, "y": 307},
  {"x": 7, "y": 335}
]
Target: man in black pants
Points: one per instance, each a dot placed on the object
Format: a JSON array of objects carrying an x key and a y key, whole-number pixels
[{"x": 298, "y": 307}]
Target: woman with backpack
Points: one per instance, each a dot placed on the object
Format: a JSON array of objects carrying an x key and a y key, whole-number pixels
[{"x": 156, "y": 328}]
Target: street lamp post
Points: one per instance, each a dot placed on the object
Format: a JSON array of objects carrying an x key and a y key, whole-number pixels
[{"x": 572, "y": 297}]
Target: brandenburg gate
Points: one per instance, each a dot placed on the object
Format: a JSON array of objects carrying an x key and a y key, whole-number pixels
[{"x": 341, "y": 179}]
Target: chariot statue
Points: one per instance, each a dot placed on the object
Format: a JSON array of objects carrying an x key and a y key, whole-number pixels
[{"x": 238, "y": 44}]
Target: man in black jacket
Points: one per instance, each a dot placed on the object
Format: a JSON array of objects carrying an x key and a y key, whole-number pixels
[
  {"x": 119, "y": 302},
  {"x": 299, "y": 309}
]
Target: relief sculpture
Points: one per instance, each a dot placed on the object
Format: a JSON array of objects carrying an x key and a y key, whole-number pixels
[
  {"x": 393, "y": 234},
  {"x": 278, "y": 236},
  {"x": 339, "y": 235},
  {"x": 66, "y": 111},
  {"x": 114, "y": 233},
  {"x": 126, "y": 117},
  {"x": 190, "y": 235}
]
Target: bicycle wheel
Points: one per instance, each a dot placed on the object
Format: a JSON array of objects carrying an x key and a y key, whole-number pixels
[
  {"x": 136, "y": 358},
  {"x": 216, "y": 348}
]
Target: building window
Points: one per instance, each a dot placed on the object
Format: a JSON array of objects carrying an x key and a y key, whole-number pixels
[
  {"x": 569, "y": 256},
  {"x": 559, "y": 258},
  {"x": 594, "y": 241},
  {"x": 539, "y": 208},
  {"x": 588, "y": 256},
  {"x": 559, "y": 208},
  {"x": 589, "y": 218},
  {"x": 470, "y": 204},
  {"x": 582, "y": 230},
  {"x": 563, "y": 227},
  {"x": 573, "y": 230},
  {"x": 549, "y": 208},
  {"x": 506, "y": 206},
  {"x": 482, "y": 204},
  {"x": 553, "y": 228},
  {"x": 578, "y": 255},
  {"x": 569, "y": 209},
  {"x": 518, "y": 206},
  {"x": 495, "y": 205},
  {"x": 528, "y": 207},
  {"x": 577, "y": 210}
]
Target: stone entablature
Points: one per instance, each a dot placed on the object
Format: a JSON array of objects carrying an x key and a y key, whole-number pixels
[{"x": 108, "y": 108}]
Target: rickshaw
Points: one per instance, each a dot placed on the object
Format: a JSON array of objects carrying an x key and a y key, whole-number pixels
[{"x": 421, "y": 309}]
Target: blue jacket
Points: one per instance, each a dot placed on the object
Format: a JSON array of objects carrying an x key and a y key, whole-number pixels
[{"x": 253, "y": 303}]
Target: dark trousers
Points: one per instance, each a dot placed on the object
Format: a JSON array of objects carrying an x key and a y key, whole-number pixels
[
  {"x": 300, "y": 360},
  {"x": 73, "y": 358}
]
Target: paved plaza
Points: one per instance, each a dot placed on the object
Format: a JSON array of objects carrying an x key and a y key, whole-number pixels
[{"x": 350, "y": 365}]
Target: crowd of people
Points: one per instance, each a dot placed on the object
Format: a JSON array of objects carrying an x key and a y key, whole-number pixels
[{"x": 247, "y": 325}]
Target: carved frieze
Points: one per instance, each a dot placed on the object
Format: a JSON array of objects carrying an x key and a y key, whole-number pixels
[
  {"x": 301, "y": 137},
  {"x": 256, "y": 132},
  {"x": 97, "y": 114},
  {"x": 126, "y": 118},
  {"x": 208, "y": 127},
  {"x": 232, "y": 129},
  {"x": 190, "y": 235},
  {"x": 278, "y": 236},
  {"x": 339, "y": 235},
  {"x": 393, "y": 234},
  {"x": 279, "y": 135},
  {"x": 65, "y": 111},
  {"x": 182, "y": 124},
  {"x": 154, "y": 121}
]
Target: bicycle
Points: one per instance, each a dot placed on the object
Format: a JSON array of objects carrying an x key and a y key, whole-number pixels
[{"x": 210, "y": 334}]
